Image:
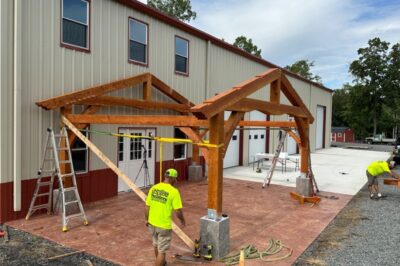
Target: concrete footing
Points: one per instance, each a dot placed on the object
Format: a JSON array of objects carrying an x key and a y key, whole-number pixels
[
  {"x": 195, "y": 173},
  {"x": 303, "y": 186},
  {"x": 215, "y": 233}
]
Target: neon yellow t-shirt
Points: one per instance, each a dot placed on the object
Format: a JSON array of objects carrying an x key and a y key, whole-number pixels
[
  {"x": 378, "y": 168},
  {"x": 162, "y": 199}
]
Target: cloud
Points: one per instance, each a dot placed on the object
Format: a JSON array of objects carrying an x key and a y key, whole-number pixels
[{"x": 328, "y": 32}]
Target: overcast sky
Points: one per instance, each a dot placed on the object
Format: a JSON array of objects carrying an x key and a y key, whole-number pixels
[{"x": 328, "y": 32}]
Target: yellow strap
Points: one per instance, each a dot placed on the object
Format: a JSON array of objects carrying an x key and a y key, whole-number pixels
[{"x": 161, "y": 176}]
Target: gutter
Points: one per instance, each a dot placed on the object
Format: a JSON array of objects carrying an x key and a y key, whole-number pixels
[{"x": 17, "y": 116}]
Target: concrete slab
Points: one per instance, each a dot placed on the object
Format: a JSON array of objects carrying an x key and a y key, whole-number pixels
[{"x": 336, "y": 170}]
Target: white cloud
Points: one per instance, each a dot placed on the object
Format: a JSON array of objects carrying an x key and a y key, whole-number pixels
[{"x": 328, "y": 32}]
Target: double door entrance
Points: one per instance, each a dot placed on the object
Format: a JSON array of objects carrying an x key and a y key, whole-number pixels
[{"x": 133, "y": 156}]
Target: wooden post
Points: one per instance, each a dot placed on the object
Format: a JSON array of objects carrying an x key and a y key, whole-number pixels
[
  {"x": 215, "y": 165},
  {"x": 275, "y": 93},
  {"x": 195, "y": 154},
  {"x": 147, "y": 89}
]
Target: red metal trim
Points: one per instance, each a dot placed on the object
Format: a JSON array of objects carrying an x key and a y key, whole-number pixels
[
  {"x": 188, "y": 58},
  {"x": 71, "y": 46},
  {"x": 131, "y": 61},
  {"x": 136, "y": 5}
]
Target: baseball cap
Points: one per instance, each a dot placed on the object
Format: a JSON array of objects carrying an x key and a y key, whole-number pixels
[{"x": 172, "y": 173}]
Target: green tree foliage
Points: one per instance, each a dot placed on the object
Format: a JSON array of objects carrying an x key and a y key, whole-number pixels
[
  {"x": 340, "y": 99},
  {"x": 247, "y": 44},
  {"x": 303, "y": 68},
  {"x": 376, "y": 77},
  {"x": 180, "y": 9}
]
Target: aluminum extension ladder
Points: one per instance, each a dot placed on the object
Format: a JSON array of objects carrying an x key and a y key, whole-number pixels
[
  {"x": 278, "y": 150},
  {"x": 51, "y": 165}
]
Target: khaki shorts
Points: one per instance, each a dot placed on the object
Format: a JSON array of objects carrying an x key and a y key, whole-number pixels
[
  {"x": 372, "y": 180},
  {"x": 161, "y": 238}
]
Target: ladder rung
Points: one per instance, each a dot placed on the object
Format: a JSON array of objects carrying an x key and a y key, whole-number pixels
[
  {"x": 37, "y": 207},
  {"x": 62, "y": 149},
  {"x": 65, "y": 162},
  {"x": 74, "y": 215},
  {"x": 45, "y": 183},
  {"x": 43, "y": 194},
  {"x": 46, "y": 171},
  {"x": 69, "y": 189},
  {"x": 70, "y": 202},
  {"x": 68, "y": 174}
]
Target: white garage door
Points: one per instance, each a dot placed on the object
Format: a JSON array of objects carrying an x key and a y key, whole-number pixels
[
  {"x": 291, "y": 145},
  {"x": 257, "y": 137},
  {"x": 320, "y": 127},
  {"x": 232, "y": 154},
  {"x": 132, "y": 153}
]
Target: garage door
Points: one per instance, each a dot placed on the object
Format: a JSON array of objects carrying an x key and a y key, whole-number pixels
[
  {"x": 232, "y": 154},
  {"x": 257, "y": 137},
  {"x": 320, "y": 127},
  {"x": 291, "y": 145}
]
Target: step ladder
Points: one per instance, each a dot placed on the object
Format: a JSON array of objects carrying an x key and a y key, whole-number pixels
[
  {"x": 68, "y": 197},
  {"x": 282, "y": 137}
]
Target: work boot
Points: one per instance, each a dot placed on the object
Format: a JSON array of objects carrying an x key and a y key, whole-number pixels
[{"x": 372, "y": 196}]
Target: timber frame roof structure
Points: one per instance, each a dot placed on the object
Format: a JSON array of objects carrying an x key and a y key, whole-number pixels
[{"x": 190, "y": 117}]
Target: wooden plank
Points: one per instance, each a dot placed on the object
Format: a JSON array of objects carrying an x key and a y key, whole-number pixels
[
  {"x": 135, "y": 103},
  {"x": 215, "y": 165},
  {"x": 193, "y": 135},
  {"x": 77, "y": 96},
  {"x": 283, "y": 124},
  {"x": 161, "y": 120},
  {"x": 247, "y": 105},
  {"x": 275, "y": 92},
  {"x": 230, "y": 127},
  {"x": 294, "y": 136},
  {"x": 121, "y": 175},
  {"x": 294, "y": 98},
  {"x": 167, "y": 90},
  {"x": 229, "y": 97}
]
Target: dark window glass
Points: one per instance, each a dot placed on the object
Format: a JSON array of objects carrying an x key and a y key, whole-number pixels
[
  {"x": 255, "y": 136},
  {"x": 262, "y": 136},
  {"x": 234, "y": 137},
  {"x": 181, "y": 55},
  {"x": 75, "y": 22},
  {"x": 149, "y": 148},
  {"x": 249, "y": 136},
  {"x": 179, "y": 148},
  {"x": 79, "y": 153},
  {"x": 120, "y": 149},
  {"x": 180, "y": 64},
  {"x": 137, "y": 41}
]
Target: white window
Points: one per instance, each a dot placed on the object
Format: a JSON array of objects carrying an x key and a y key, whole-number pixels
[
  {"x": 179, "y": 148},
  {"x": 138, "y": 41},
  {"x": 75, "y": 24},
  {"x": 80, "y": 155},
  {"x": 181, "y": 56}
]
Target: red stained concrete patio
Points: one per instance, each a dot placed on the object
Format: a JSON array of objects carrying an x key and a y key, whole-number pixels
[{"x": 117, "y": 230}]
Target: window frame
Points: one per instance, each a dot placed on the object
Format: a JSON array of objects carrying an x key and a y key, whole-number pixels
[
  {"x": 132, "y": 61},
  {"x": 82, "y": 149},
  {"x": 188, "y": 56},
  {"x": 88, "y": 32}
]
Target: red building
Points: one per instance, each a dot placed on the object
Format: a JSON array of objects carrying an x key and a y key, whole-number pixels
[{"x": 342, "y": 134}]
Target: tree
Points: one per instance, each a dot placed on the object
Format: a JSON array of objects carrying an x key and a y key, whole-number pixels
[
  {"x": 247, "y": 45},
  {"x": 180, "y": 9},
  {"x": 340, "y": 99},
  {"x": 303, "y": 68}
]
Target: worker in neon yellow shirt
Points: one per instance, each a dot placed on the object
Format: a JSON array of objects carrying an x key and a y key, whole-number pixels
[
  {"x": 161, "y": 200},
  {"x": 376, "y": 169}
]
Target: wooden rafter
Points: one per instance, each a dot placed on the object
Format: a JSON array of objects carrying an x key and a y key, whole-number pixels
[
  {"x": 167, "y": 90},
  {"x": 76, "y": 97},
  {"x": 134, "y": 103},
  {"x": 192, "y": 134},
  {"x": 294, "y": 136},
  {"x": 294, "y": 98},
  {"x": 287, "y": 124},
  {"x": 230, "y": 127},
  {"x": 247, "y": 105},
  {"x": 224, "y": 100}
]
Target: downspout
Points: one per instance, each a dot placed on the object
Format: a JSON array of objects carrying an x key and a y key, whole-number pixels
[
  {"x": 17, "y": 105},
  {"x": 208, "y": 64}
]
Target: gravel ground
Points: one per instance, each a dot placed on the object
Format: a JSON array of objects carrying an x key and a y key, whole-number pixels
[
  {"x": 365, "y": 232},
  {"x": 26, "y": 249}
]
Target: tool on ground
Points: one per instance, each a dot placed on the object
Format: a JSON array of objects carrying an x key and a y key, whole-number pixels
[
  {"x": 208, "y": 255},
  {"x": 188, "y": 259},
  {"x": 66, "y": 255},
  {"x": 282, "y": 137},
  {"x": 52, "y": 165},
  {"x": 196, "y": 252},
  {"x": 251, "y": 252}
]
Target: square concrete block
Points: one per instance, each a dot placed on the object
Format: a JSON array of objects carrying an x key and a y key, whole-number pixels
[
  {"x": 216, "y": 233},
  {"x": 195, "y": 173},
  {"x": 303, "y": 186}
]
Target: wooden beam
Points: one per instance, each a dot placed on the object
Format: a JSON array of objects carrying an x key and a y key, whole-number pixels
[
  {"x": 248, "y": 105},
  {"x": 215, "y": 165},
  {"x": 222, "y": 101},
  {"x": 294, "y": 98},
  {"x": 135, "y": 103},
  {"x": 89, "y": 111},
  {"x": 275, "y": 92},
  {"x": 121, "y": 175},
  {"x": 147, "y": 89},
  {"x": 287, "y": 124},
  {"x": 193, "y": 135},
  {"x": 294, "y": 136},
  {"x": 303, "y": 129},
  {"x": 230, "y": 127},
  {"x": 167, "y": 90},
  {"x": 77, "y": 96},
  {"x": 161, "y": 120}
]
